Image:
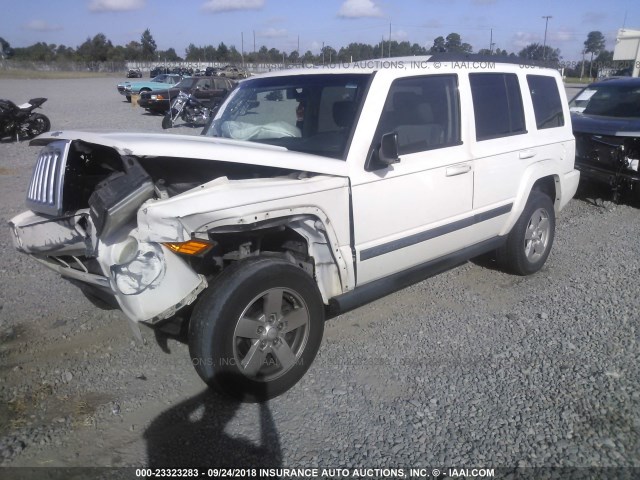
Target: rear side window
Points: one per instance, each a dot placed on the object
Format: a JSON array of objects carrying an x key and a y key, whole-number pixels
[
  {"x": 497, "y": 105},
  {"x": 546, "y": 101}
]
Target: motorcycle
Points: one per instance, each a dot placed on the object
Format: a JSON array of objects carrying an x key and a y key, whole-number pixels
[
  {"x": 189, "y": 109},
  {"x": 20, "y": 122}
]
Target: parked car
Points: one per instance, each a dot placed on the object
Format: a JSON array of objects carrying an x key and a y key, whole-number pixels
[
  {"x": 162, "y": 81},
  {"x": 232, "y": 72},
  {"x": 352, "y": 184},
  {"x": 210, "y": 91},
  {"x": 211, "y": 71},
  {"x": 606, "y": 124},
  {"x": 134, "y": 73},
  {"x": 158, "y": 70}
]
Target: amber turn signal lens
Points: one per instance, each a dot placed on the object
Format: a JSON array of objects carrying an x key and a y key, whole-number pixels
[{"x": 191, "y": 247}]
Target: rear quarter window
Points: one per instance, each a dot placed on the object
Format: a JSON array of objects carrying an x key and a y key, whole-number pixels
[{"x": 546, "y": 101}]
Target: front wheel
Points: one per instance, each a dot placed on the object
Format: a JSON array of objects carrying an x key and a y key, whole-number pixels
[
  {"x": 529, "y": 243},
  {"x": 166, "y": 121},
  {"x": 257, "y": 329},
  {"x": 34, "y": 126}
]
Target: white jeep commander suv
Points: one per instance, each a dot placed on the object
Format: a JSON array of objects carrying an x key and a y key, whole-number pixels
[{"x": 310, "y": 193}]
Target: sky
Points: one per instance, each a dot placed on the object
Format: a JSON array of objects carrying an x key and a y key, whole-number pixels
[{"x": 510, "y": 24}]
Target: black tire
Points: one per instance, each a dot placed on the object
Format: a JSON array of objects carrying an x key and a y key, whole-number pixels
[
  {"x": 128, "y": 97},
  {"x": 529, "y": 243},
  {"x": 257, "y": 329},
  {"x": 166, "y": 121},
  {"x": 34, "y": 126}
]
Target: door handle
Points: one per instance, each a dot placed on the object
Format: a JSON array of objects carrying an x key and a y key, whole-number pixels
[
  {"x": 458, "y": 170},
  {"x": 526, "y": 154}
]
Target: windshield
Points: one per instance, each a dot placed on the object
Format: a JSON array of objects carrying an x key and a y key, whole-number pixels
[
  {"x": 608, "y": 99},
  {"x": 306, "y": 113}
]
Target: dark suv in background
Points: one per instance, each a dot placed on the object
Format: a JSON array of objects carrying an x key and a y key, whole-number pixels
[{"x": 606, "y": 123}]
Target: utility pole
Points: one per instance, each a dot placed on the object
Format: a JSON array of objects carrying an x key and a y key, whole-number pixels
[
  {"x": 322, "y": 53},
  {"x": 389, "y": 39},
  {"x": 254, "y": 41},
  {"x": 491, "y": 43},
  {"x": 544, "y": 45}
]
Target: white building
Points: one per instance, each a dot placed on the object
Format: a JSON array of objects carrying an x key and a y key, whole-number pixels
[{"x": 628, "y": 49}]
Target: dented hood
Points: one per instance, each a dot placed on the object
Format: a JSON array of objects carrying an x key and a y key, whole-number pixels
[{"x": 205, "y": 148}]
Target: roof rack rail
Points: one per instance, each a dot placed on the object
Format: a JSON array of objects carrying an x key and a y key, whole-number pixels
[{"x": 474, "y": 57}]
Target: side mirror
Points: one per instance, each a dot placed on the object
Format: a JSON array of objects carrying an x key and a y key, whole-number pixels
[{"x": 388, "y": 151}]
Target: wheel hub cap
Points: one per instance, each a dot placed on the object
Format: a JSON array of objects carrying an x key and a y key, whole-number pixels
[
  {"x": 271, "y": 334},
  {"x": 537, "y": 235}
]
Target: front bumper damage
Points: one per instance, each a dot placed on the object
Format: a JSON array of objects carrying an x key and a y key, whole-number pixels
[{"x": 149, "y": 282}]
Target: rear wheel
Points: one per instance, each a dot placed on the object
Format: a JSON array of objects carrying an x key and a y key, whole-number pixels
[
  {"x": 34, "y": 126},
  {"x": 529, "y": 243},
  {"x": 257, "y": 329}
]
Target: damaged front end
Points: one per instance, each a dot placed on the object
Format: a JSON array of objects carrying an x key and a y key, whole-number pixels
[
  {"x": 610, "y": 159},
  {"x": 83, "y": 200}
]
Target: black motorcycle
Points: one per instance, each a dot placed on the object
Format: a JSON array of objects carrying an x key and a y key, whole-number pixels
[
  {"x": 20, "y": 122},
  {"x": 187, "y": 107}
]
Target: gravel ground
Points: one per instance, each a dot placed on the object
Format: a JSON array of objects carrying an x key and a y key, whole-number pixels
[{"x": 470, "y": 368}]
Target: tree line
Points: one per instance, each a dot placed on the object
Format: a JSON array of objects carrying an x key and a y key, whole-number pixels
[{"x": 101, "y": 49}]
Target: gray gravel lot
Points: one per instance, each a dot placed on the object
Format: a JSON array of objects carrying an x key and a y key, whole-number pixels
[{"x": 471, "y": 368}]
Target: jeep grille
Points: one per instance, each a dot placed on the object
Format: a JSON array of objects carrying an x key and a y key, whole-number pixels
[{"x": 45, "y": 190}]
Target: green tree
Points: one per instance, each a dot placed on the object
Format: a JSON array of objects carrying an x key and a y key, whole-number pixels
[
  {"x": 234, "y": 55},
  {"x": 453, "y": 44},
  {"x": 438, "y": 46},
  {"x": 133, "y": 50},
  {"x": 222, "y": 54},
  {"x": 95, "y": 49},
  {"x": 275, "y": 55},
  {"x": 193, "y": 53},
  {"x": 5, "y": 49},
  {"x": 169, "y": 55},
  {"x": 535, "y": 51},
  {"x": 149, "y": 46},
  {"x": 328, "y": 55},
  {"x": 594, "y": 44},
  {"x": 263, "y": 54},
  {"x": 308, "y": 57},
  {"x": 65, "y": 53},
  {"x": 294, "y": 57}
]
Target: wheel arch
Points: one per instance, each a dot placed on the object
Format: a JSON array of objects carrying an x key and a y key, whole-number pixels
[
  {"x": 331, "y": 271},
  {"x": 541, "y": 177}
]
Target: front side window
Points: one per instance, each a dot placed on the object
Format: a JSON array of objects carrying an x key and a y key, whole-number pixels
[
  {"x": 497, "y": 105},
  {"x": 308, "y": 113},
  {"x": 423, "y": 111},
  {"x": 546, "y": 101}
]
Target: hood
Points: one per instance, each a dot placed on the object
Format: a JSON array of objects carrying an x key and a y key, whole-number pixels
[
  {"x": 600, "y": 125},
  {"x": 203, "y": 148}
]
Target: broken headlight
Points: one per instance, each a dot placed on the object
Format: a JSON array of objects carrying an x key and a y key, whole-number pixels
[{"x": 145, "y": 270}]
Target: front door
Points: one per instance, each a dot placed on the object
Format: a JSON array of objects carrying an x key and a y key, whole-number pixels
[{"x": 418, "y": 209}]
